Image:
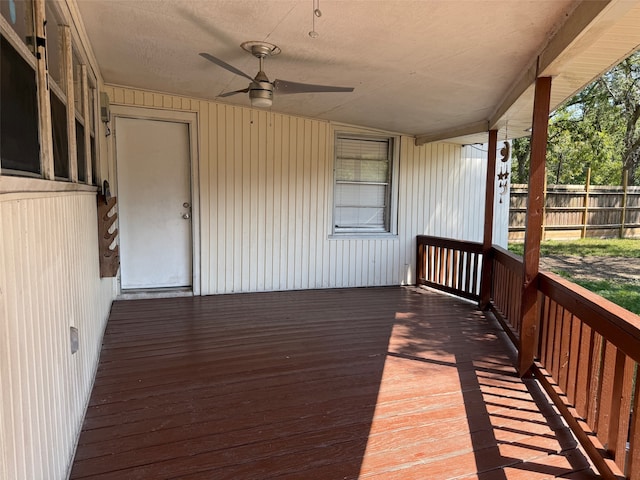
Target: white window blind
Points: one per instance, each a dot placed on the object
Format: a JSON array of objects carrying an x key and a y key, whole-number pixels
[{"x": 362, "y": 184}]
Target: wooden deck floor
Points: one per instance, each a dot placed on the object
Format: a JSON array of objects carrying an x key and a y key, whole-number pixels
[{"x": 381, "y": 383}]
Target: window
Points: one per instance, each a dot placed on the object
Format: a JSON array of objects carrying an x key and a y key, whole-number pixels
[
  {"x": 20, "y": 147},
  {"x": 26, "y": 150},
  {"x": 363, "y": 190}
]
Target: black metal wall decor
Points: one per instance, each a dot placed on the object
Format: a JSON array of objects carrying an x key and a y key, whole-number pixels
[{"x": 503, "y": 176}]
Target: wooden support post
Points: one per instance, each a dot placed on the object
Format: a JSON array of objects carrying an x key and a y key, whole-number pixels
[
  {"x": 623, "y": 212},
  {"x": 529, "y": 312},
  {"x": 44, "y": 101},
  {"x": 585, "y": 204},
  {"x": 489, "y": 197}
]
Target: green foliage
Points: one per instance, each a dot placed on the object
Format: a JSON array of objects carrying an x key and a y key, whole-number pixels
[
  {"x": 598, "y": 128},
  {"x": 586, "y": 247},
  {"x": 520, "y": 151}
]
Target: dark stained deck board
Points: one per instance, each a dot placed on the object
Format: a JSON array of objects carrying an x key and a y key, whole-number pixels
[{"x": 378, "y": 383}]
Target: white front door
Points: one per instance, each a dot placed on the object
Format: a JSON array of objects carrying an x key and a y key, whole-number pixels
[{"x": 154, "y": 198}]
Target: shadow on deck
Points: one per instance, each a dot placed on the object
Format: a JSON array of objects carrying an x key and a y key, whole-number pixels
[{"x": 380, "y": 383}]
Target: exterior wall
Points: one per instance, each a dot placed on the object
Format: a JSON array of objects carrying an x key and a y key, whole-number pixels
[
  {"x": 266, "y": 201},
  {"x": 49, "y": 281}
]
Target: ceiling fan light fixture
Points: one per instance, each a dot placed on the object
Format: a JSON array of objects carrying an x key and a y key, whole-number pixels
[
  {"x": 261, "y": 94},
  {"x": 261, "y": 102}
]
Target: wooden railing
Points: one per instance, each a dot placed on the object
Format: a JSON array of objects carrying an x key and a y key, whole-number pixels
[
  {"x": 506, "y": 289},
  {"x": 588, "y": 353},
  {"x": 587, "y": 350},
  {"x": 453, "y": 266}
]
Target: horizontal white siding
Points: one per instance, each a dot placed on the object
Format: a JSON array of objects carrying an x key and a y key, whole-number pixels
[
  {"x": 49, "y": 281},
  {"x": 266, "y": 201}
]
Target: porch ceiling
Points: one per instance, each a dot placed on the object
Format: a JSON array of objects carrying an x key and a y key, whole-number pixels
[{"x": 436, "y": 69}]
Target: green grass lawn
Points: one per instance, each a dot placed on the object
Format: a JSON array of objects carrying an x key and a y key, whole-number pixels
[
  {"x": 587, "y": 247},
  {"x": 627, "y": 295}
]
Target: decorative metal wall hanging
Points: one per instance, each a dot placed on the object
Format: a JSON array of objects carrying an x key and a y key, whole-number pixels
[{"x": 503, "y": 176}]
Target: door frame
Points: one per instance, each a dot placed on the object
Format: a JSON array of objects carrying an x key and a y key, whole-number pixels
[{"x": 191, "y": 119}]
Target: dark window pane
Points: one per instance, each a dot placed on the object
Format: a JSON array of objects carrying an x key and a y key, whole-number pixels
[
  {"x": 60, "y": 139},
  {"x": 82, "y": 164},
  {"x": 19, "y": 143},
  {"x": 94, "y": 162}
]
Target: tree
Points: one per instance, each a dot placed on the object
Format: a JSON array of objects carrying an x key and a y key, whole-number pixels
[
  {"x": 598, "y": 127},
  {"x": 520, "y": 153}
]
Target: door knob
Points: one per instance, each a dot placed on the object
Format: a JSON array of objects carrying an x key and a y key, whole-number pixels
[{"x": 186, "y": 216}]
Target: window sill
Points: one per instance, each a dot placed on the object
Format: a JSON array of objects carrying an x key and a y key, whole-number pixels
[
  {"x": 363, "y": 236},
  {"x": 10, "y": 184}
]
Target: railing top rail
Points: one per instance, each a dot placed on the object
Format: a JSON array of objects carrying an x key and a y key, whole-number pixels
[
  {"x": 616, "y": 324},
  {"x": 473, "y": 247},
  {"x": 510, "y": 260}
]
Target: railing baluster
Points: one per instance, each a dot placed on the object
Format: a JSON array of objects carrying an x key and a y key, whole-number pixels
[
  {"x": 475, "y": 287},
  {"x": 432, "y": 265},
  {"x": 565, "y": 353},
  {"x": 553, "y": 339},
  {"x": 621, "y": 408},
  {"x": 454, "y": 268},
  {"x": 603, "y": 423},
  {"x": 545, "y": 332},
  {"x": 633, "y": 464},
  {"x": 574, "y": 364},
  {"x": 460, "y": 270},
  {"x": 582, "y": 382},
  {"x": 467, "y": 282},
  {"x": 595, "y": 379}
]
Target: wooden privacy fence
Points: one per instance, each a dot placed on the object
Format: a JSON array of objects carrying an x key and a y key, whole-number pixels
[
  {"x": 579, "y": 211},
  {"x": 587, "y": 348}
]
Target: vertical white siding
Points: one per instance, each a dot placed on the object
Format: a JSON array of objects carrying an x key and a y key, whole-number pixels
[
  {"x": 266, "y": 201},
  {"x": 49, "y": 281}
]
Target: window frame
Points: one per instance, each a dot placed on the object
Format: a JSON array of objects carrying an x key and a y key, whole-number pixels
[
  {"x": 11, "y": 178},
  {"x": 391, "y": 210}
]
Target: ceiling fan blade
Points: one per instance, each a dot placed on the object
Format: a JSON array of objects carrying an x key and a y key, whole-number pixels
[
  {"x": 285, "y": 87},
  {"x": 228, "y": 94},
  {"x": 225, "y": 65}
]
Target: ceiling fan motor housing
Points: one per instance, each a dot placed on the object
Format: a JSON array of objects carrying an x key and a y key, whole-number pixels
[{"x": 261, "y": 94}]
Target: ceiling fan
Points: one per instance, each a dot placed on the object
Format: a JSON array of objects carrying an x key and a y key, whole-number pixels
[{"x": 261, "y": 89}]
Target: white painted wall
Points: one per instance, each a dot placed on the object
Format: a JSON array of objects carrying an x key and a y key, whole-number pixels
[
  {"x": 49, "y": 281},
  {"x": 266, "y": 201}
]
